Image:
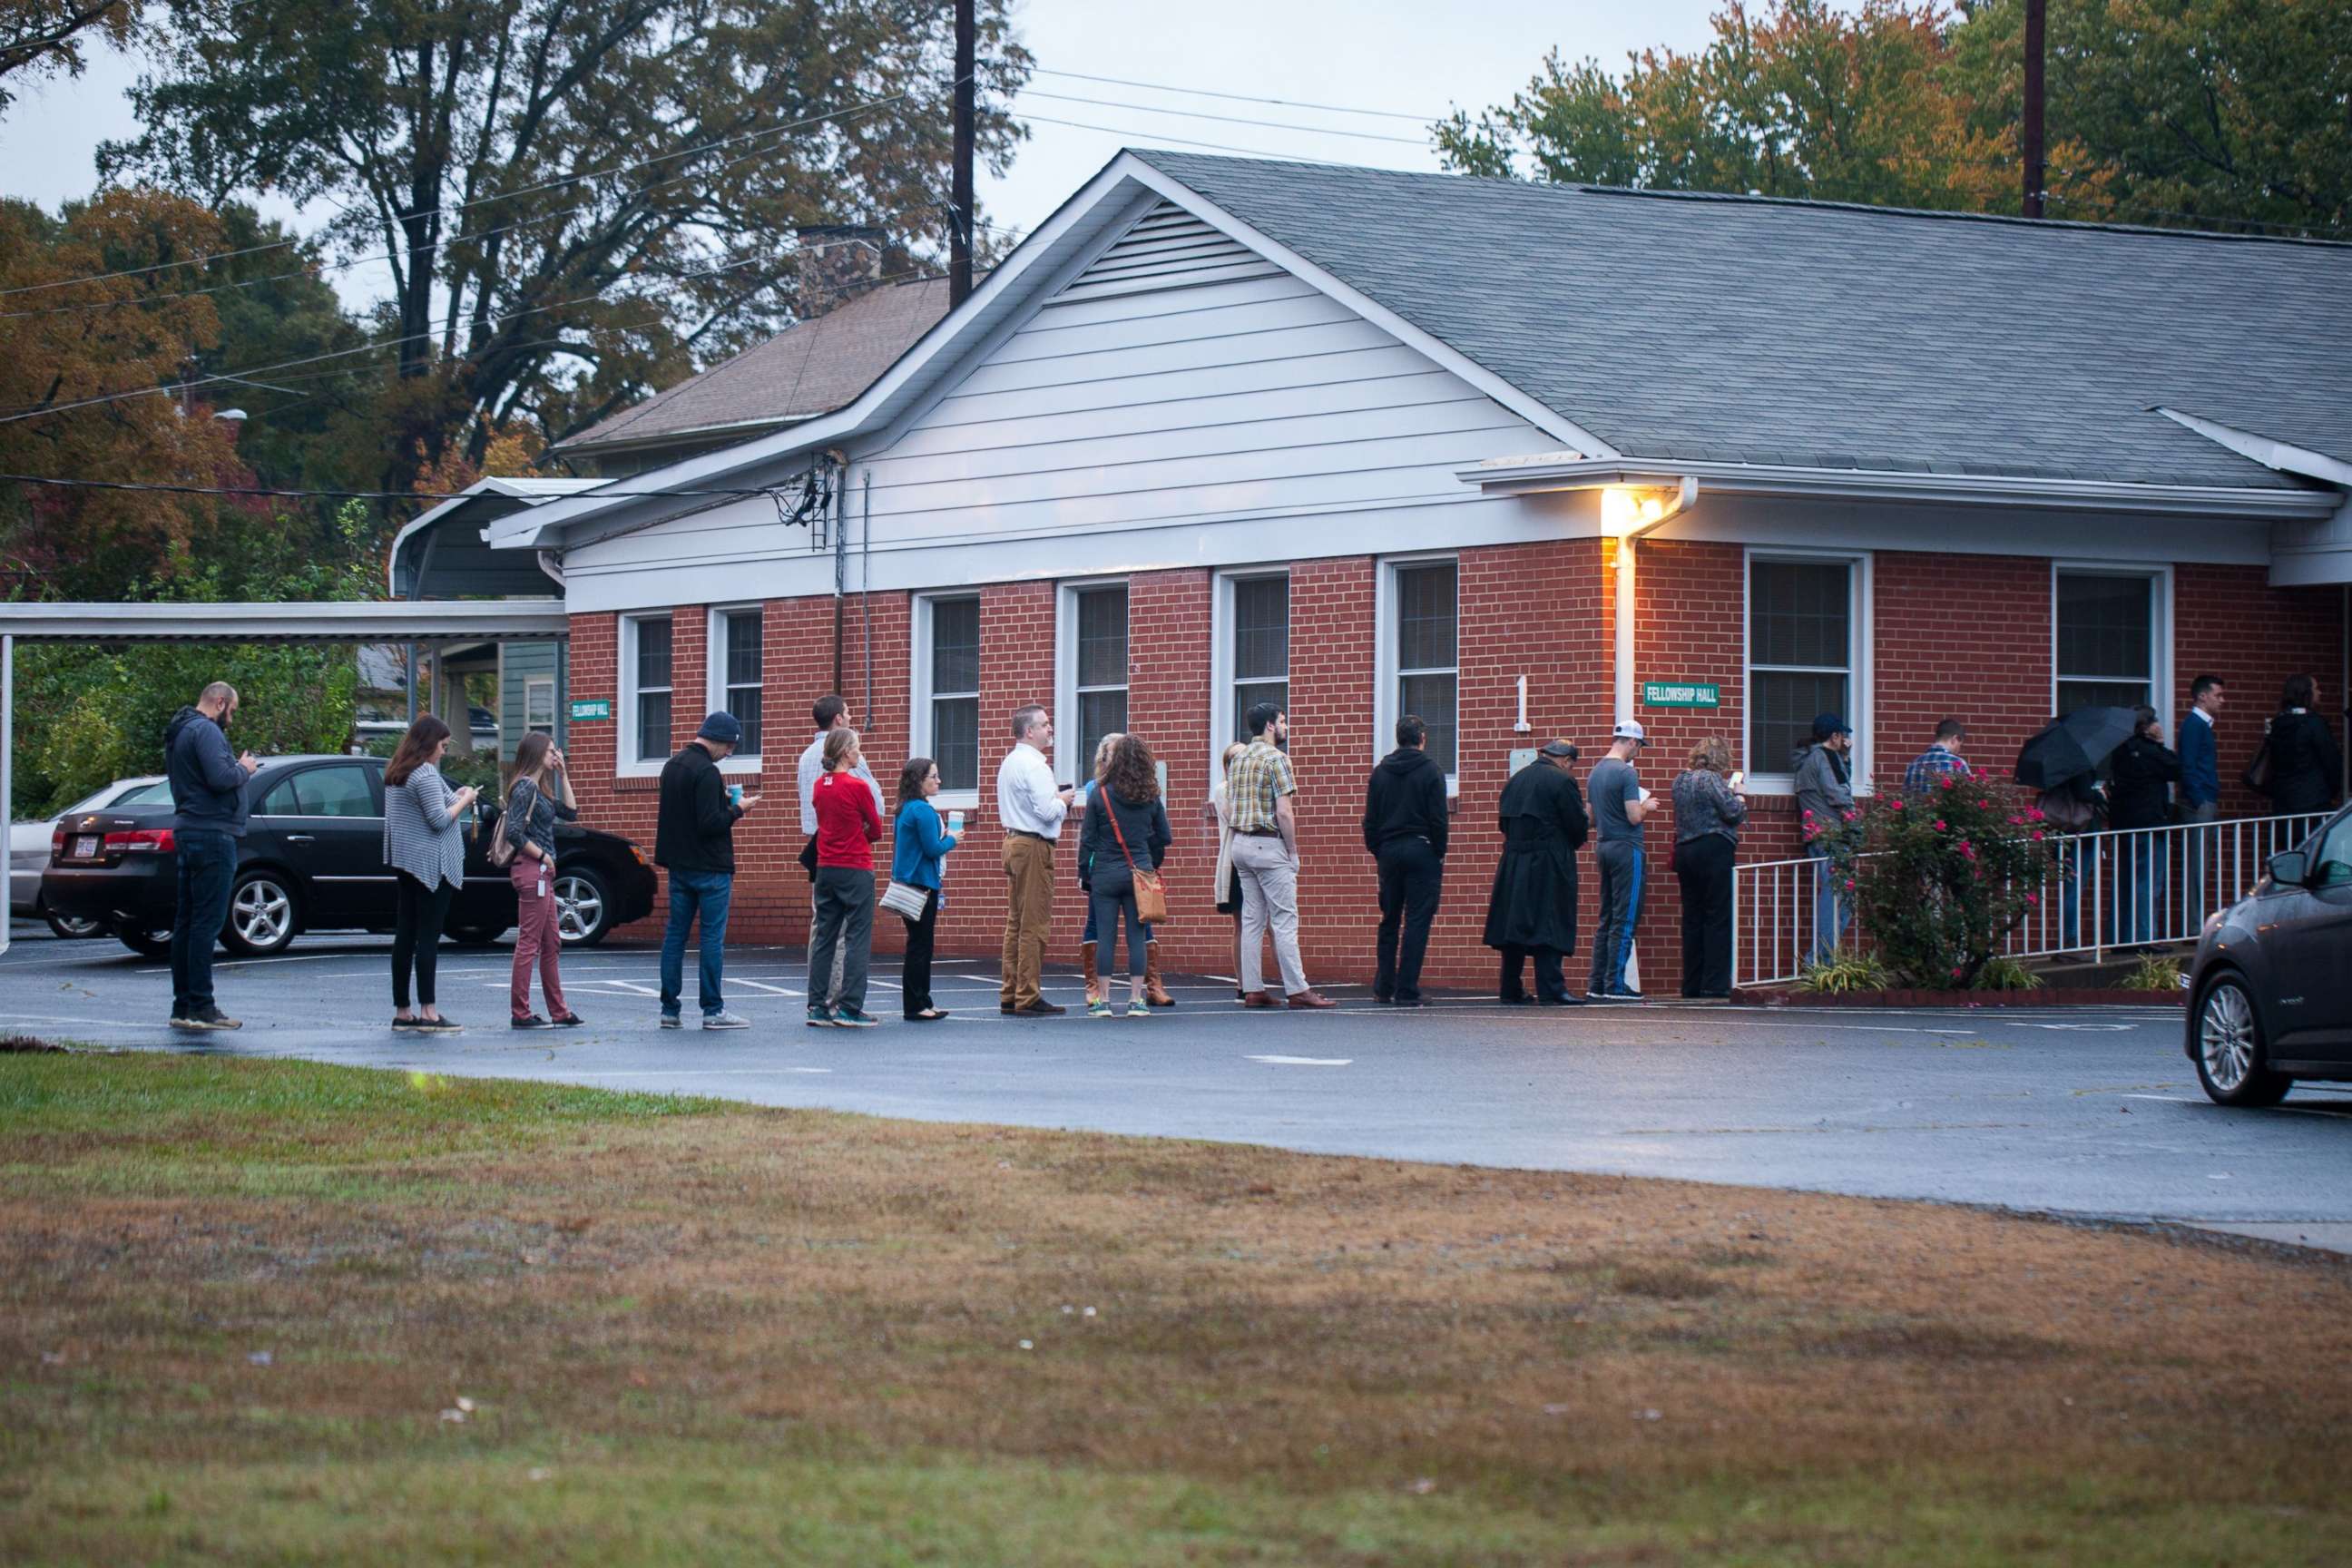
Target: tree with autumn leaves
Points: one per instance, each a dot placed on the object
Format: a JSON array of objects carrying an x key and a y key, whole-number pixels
[{"x": 2212, "y": 113}]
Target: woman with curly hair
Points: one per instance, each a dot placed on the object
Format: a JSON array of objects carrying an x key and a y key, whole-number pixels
[{"x": 1126, "y": 831}]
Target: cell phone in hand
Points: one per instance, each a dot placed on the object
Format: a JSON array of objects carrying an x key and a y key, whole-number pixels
[{"x": 1738, "y": 777}]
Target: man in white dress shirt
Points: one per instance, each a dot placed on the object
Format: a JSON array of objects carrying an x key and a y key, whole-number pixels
[
  {"x": 831, "y": 712},
  {"x": 1031, "y": 807}
]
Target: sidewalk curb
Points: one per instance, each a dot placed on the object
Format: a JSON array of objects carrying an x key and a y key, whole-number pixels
[{"x": 2047, "y": 997}]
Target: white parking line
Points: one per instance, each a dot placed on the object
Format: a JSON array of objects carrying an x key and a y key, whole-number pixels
[{"x": 1302, "y": 1061}]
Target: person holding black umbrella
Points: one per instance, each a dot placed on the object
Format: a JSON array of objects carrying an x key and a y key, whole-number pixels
[{"x": 2063, "y": 762}]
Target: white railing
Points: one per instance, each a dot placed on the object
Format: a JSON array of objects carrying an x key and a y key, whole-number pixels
[{"x": 2120, "y": 888}]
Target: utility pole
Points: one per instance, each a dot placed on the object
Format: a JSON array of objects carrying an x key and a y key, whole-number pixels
[
  {"x": 967, "y": 47},
  {"x": 2036, "y": 12}
]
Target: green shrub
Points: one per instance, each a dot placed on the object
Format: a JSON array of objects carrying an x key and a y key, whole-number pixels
[
  {"x": 2153, "y": 972},
  {"x": 1847, "y": 972},
  {"x": 2006, "y": 975}
]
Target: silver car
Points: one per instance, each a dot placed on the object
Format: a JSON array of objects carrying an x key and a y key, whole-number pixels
[
  {"x": 29, "y": 842},
  {"x": 2269, "y": 993}
]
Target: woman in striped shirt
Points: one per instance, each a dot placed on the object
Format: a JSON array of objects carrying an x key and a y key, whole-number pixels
[{"x": 425, "y": 848}]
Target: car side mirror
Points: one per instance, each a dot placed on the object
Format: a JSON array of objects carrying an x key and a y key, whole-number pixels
[{"x": 2290, "y": 868}]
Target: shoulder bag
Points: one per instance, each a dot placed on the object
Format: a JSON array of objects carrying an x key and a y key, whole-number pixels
[
  {"x": 903, "y": 899},
  {"x": 2257, "y": 776},
  {"x": 504, "y": 845},
  {"x": 1150, "y": 896}
]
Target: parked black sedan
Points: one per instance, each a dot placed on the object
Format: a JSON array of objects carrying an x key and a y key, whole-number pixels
[
  {"x": 2270, "y": 998},
  {"x": 312, "y": 860}
]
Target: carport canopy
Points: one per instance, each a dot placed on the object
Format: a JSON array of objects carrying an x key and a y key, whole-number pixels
[{"x": 333, "y": 621}]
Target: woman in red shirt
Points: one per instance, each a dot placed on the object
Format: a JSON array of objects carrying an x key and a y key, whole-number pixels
[{"x": 849, "y": 821}]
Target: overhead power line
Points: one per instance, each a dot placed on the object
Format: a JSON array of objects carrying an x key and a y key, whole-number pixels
[
  {"x": 1153, "y": 136},
  {"x": 1244, "y": 98},
  {"x": 276, "y": 491},
  {"x": 1227, "y": 119}
]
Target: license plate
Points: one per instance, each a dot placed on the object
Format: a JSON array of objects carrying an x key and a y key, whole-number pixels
[{"x": 86, "y": 846}]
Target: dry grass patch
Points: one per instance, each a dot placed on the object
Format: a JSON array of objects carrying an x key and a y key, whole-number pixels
[{"x": 278, "y": 1312}]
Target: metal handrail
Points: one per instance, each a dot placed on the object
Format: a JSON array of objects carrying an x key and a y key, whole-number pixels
[{"x": 2127, "y": 887}]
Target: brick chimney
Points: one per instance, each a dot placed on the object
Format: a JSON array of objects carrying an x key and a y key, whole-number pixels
[{"x": 836, "y": 260}]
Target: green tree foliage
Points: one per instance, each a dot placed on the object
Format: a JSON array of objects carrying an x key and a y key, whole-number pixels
[
  {"x": 596, "y": 192},
  {"x": 88, "y": 714},
  {"x": 45, "y": 38},
  {"x": 2208, "y": 112}
]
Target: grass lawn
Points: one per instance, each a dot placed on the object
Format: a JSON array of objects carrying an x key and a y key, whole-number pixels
[{"x": 266, "y": 1313}]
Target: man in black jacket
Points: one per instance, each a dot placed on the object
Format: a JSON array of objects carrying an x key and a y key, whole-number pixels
[
  {"x": 1404, "y": 828},
  {"x": 1532, "y": 910},
  {"x": 694, "y": 841},
  {"x": 208, "y": 805}
]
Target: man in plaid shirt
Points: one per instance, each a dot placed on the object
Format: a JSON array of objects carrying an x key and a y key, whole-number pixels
[
  {"x": 1940, "y": 758},
  {"x": 1258, "y": 790}
]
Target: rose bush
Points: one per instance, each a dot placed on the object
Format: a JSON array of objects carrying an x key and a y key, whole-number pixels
[{"x": 1940, "y": 878}]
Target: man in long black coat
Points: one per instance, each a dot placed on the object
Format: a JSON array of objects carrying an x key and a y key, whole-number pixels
[{"x": 1533, "y": 909}]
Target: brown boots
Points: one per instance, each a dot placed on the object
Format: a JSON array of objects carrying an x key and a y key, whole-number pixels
[
  {"x": 1086, "y": 968},
  {"x": 1153, "y": 991}
]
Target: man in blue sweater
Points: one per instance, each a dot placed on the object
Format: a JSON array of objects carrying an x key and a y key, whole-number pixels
[
  {"x": 2200, "y": 779},
  {"x": 209, "y": 806}
]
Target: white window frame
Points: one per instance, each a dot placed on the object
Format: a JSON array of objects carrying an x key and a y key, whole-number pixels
[
  {"x": 919, "y": 708},
  {"x": 626, "y": 761},
  {"x": 1068, "y": 766},
  {"x": 1220, "y": 651},
  {"x": 1861, "y": 636},
  {"x": 714, "y": 677},
  {"x": 1386, "y": 710},
  {"x": 531, "y": 687},
  {"x": 2160, "y": 626}
]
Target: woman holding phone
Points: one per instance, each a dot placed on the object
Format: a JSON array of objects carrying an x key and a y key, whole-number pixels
[
  {"x": 1708, "y": 809},
  {"x": 427, "y": 852},
  {"x": 918, "y": 847},
  {"x": 539, "y": 795}
]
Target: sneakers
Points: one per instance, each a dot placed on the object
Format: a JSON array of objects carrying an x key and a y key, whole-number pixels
[
  {"x": 529, "y": 1021},
  {"x": 1620, "y": 995},
  {"x": 723, "y": 1019},
  {"x": 852, "y": 1018},
  {"x": 820, "y": 1017},
  {"x": 1139, "y": 1009},
  {"x": 422, "y": 1025},
  {"x": 206, "y": 1017},
  {"x": 1099, "y": 1007},
  {"x": 672, "y": 1021},
  {"x": 569, "y": 1021}
]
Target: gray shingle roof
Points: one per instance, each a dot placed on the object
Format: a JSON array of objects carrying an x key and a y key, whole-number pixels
[
  {"x": 811, "y": 368},
  {"x": 1740, "y": 330}
]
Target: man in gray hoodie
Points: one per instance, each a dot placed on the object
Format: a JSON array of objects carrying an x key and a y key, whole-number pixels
[
  {"x": 1824, "y": 772},
  {"x": 209, "y": 806}
]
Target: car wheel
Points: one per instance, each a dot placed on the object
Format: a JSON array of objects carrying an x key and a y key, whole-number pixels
[
  {"x": 475, "y": 936},
  {"x": 73, "y": 930},
  {"x": 584, "y": 910},
  {"x": 148, "y": 942},
  {"x": 261, "y": 915},
  {"x": 2232, "y": 1062}
]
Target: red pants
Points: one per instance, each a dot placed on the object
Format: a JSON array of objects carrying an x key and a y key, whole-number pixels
[{"x": 536, "y": 938}]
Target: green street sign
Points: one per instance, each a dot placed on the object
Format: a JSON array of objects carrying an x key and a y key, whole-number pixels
[
  {"x": 1681, "y": 694},
  {"x": 591, "y": 708}
]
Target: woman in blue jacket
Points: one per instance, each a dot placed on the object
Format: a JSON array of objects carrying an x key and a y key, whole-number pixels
[{"x": 918, "y": 844}]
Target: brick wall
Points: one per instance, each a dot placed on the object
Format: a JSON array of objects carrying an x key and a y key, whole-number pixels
[{"x": 1962, "y": 635}]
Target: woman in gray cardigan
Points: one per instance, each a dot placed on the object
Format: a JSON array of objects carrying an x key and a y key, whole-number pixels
[{"x": 425, "y": 848}]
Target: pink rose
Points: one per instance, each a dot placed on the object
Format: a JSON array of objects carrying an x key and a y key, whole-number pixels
[
  {"x": 1939, "y": 825},
  {"x": 2031, "y": 900},
  {"x": 1897, "y": 802},
  {"x": 2037, "y": 839}
]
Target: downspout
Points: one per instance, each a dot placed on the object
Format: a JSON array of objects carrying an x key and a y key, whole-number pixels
[
  {"x": 840, "y": 577},
  {"x": 1634, "y": 524},
  {"x": 866, "y": 586}
]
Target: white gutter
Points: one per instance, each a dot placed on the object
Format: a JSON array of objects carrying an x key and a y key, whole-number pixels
[
  {"x": 1639, "y": 525},
  {"x": 1567, "y": 470}
]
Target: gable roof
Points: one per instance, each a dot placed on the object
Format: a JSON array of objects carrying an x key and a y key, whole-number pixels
[
  {"x": 1811, "y": 335},
  {"x": 810, "y": 368}
]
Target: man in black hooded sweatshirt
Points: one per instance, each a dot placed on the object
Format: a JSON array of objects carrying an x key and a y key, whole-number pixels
[
  {"x": 209, "y": 806},
  {"x": 1404, "y": 828}
]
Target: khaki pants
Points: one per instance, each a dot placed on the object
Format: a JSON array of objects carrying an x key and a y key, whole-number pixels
[
  {"x": 1028, "y": 916},
  {"x": 1269, "y": 898}
]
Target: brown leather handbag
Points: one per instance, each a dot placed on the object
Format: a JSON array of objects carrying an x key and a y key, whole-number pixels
[{"x": 1150, "y": 898}]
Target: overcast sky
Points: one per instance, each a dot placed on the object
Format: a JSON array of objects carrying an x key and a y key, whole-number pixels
[{"x": 1407, "y": 57}]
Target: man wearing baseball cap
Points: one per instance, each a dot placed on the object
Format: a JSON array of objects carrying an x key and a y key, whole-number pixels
[
  {"x": 1619, "y": 804},
  {"x": 694, "y": 841},
  {"x": 1824, "y": 781}
]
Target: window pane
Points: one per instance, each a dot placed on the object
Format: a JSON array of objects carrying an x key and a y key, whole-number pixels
[
  {"x": 1799, "y": 612},
  {"x": 1782, "y": 719},
  {"x": 279, "y": 802},
  {"x": 652, "y": 726},
  {"x": 1262, "y": 629},
  {"x": 1100, "y": 713},
  {"x": 653, "y": 653},
  {"x": 743, "y": 701},
  {"x": 1102, "y": 636},
  {"x": 1430, "y": 697},
  {"x": 1249, "y": 696},
  {"x": 335, "y": 791},
  {"x": 1425, "y": 617},
  {"x": 955, "y": 740},
  {"x": 955, "y": 652},
  {"x": 538, "y": 705},
  {"x": 2104, "y": 625},
  {"x": 743, "y": 649},
  {"x": 2073, "y": 694}
]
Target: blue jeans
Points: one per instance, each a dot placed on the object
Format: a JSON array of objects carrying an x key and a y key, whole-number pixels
[
  {"x": 2070, "y": 895},
  {"x": 708, "y": 894},
  {"x": 1089, "y": 934},
  {"x": 1832, "y": 912},
  {"x": 2135, "y": 891},
  {"x": 203, "y": 867}
]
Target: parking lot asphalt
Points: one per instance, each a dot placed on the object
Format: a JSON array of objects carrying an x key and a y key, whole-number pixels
[{"x": 2086, "y": 1112}]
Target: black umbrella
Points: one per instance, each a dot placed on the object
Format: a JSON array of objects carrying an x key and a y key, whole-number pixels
[{"x": 2073, "y": 746}]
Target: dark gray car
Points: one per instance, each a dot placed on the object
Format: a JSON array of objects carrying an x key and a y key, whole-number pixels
[{"x": 2270, "y": 998}]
